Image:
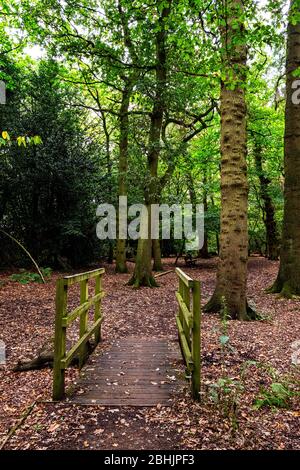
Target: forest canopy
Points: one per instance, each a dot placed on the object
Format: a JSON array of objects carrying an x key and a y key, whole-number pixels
[{"x": 166, "y": 102}]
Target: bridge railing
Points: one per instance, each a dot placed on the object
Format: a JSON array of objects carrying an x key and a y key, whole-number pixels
[
  {"x": 63, "y": 319},
  {"x": 188, "y": 322}
]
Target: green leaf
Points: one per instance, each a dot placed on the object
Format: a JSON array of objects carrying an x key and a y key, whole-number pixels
[
  {"x": 37, "y": 140},
  {"x": 279, "y": 390},
  {"x": 224, "y": 339},
  {"x": 21, "y": 140}
]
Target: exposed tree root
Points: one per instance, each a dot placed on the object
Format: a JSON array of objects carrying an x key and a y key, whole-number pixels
[
  {"x": 215, "y": 305},
  {"x": 144, "y": 281},
  {"x": 121, "y": 269},
  {"x": 283, "y": 289}
]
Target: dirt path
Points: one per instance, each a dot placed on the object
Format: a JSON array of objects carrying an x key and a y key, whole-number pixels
[{"x": 26, "y": 320}]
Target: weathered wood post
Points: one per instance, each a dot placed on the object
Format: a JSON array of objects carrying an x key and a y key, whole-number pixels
[
  {"x": 187, "y": 301},
  {"x": 180, "y": 290},
  {"x": 196, "y": 340},
  {"x": 98, "y": 289},
  {"x": 60, "y": 340},
  {"x": 83, "y": 352},
  {"x": 180, "y": 314}
]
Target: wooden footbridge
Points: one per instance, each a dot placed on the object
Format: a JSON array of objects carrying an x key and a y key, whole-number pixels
[{"x": 134, "y": 371}]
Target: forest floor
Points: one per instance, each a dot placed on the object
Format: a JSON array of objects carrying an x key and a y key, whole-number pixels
[{"x": 230, "y": 422}]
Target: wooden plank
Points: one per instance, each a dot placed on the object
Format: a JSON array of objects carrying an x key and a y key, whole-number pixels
[
  {"x": 187, "y": 280},
  {"x": 164, "y": 273},
  {"x": 185, "y": 347},
  {"x": 196, "y": 342},
  {"x": 180, "y": 290},
  {"x": 82, "y": 308},
  {"x": 83, "y": 326},
  {"x": 140, "y": 382},
  {"x": 187, "y": 316},
  {"x": 73, "y": 279},
  {"x": 133, "y": 389},
  {"x": 98, "y": 291},
  {"x": 146, "y": 402},
  {"x": 130, "y": 380},
  {"x": 66, "y": 361},
  {"x": 186, "y": 326}
]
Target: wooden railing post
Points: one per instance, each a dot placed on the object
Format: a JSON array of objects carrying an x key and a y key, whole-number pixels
[
  {"x": 83, "y": 352},
  {"x": 98, "y": 288},
  {"x": 196, "y": 340},
  {"x": 60, "y": 340}
]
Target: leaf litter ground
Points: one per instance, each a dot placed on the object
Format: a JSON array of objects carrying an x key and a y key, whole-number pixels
[{"x": 26, "y": 322}]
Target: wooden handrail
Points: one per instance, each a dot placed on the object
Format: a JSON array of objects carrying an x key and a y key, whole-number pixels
[
  {"x": 81, "y": 309},
  {"x": 188, "y": 281},
  {"x": 74, "y": 278},
  {"x": 188, "y": 322},
  {"x": 63, "y": 319}
]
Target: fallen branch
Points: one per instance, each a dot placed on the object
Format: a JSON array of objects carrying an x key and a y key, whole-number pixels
[
  {"x": 18, "y": 424},
  {"x": 26, "y": 251},
  {"x": 45, "y": 358},
  {"x": 164, "y": 273}
]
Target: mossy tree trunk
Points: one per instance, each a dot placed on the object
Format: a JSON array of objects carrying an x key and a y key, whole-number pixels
[
  {"x": 203, "y": 252},
  {"x": 129, "y": 82},
  {"x": 288, "y": 279},
  {"x": 232, "y": 268},
  {"x": 142, "y": 275},
  {"x": 272, "y": 240},
  {"x": 110, "y": 256},
  {"x": 157, "y": 264},
  {"x": 121, "y": 266}
]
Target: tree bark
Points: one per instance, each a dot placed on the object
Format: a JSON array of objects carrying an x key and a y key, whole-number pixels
[
  {"x": 142, "y": 275},
  {"x": 121, "y": 266},
  {"x": 272, "y": 241},
  {"x": 203, "y": 252},
  {"x": 288, "y": 279},
  {"x": 110, "y": 256},
  {"x": 232, "y": 269},
  {"x": 157, "y": 264}
]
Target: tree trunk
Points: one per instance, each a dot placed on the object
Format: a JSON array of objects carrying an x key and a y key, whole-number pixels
[
  {"x": 203, "y": 252},
  {"x": 110, "y": 256},
  {"x": 157, "y": 264},
  {"x": 272, "y": 240},
  {"x": 121, "y": 266},
  {"x": 288, "y": 279},
  {"x": 216, "y": 232},
  {"x": 232, "y": 268},
  {"x": 143, "y": 271},
  {"x": 142, "y": 275}
]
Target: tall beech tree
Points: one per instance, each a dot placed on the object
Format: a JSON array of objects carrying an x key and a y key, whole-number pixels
[
  {"x": 143, "y": 270},
  {"x": 232, "y": 267},
  {"x": 288, "y": 279}
]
